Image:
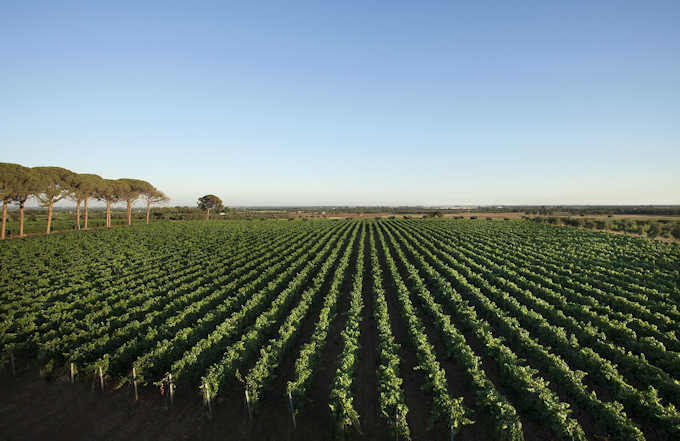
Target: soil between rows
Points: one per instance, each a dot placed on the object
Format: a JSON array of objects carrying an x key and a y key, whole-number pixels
[
  {"x": 271, "y": 420},
  {"x": 591, "y": 427},
  {"x": 455, "y": 373},
  {"x": 35, "y": 408},
  {"x": 314, "y": 416},
  {"x": 418, "y": 402},
  {"x": 533, "y": 430},
  {"x": 366, "y": 381}
]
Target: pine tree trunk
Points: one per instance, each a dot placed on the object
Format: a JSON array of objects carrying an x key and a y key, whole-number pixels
[
  {"x": 85, "y": 220},
  {"x": 21, "y": 218},
  {"x": 129, "y": 212},
  {"x": 4, "y": 218},
  {"x": 49, "y": 218},
  {"x": 148, "y": 211},
  {"x": 207, "y": 215},
  {"x": 108, "y": 214},
  {"x": 78, "y": 214}
]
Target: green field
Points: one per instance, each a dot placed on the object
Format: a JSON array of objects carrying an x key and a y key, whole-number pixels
[{"x": 375, "y": 329}]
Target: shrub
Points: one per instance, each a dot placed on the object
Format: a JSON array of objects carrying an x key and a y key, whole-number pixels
[
  {"x": 675, "y": 232},
  {"x": 653, "y": 230}
]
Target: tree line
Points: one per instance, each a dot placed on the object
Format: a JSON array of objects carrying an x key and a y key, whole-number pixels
[
  {"x": 50, "y": 185},
  {"x": 650, "y": 227}
]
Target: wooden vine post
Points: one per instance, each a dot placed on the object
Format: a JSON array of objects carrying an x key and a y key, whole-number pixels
[
  {"x": 134, "y": 383},
  {"x": 206, "y": 399},
  {"x": 101, "y": 379},
  {"x": 292, "y": 410},
  {"x": 171, "y": 389},
  {"x": 71, "y": 371},
  {"x": 250, "y": 411}
]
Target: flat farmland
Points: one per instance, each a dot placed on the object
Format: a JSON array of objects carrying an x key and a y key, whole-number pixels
[{"x": 422, "y": 329}]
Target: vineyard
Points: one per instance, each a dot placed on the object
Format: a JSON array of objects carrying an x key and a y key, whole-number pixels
[{"x": 356, "y": 329}]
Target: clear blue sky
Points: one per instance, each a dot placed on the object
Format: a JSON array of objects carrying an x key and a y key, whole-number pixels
[{"x": 515, "y": 102}]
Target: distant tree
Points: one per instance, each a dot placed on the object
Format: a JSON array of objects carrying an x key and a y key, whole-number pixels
[
  {"x": 624, "y": 225},
  {"x": 54, "y": 184},
  {"x": 675, "y": 231},
  {"x": 653, "y": 230},
  {"x": 27, "y": 185},
  {"x": 153, "y": 196},
  {"x": 572, "y": 221},
  {"x": 209, "y": 202},
  {"x": 6, "y": 178},
  {"x": 132, "y": 190},
  {"x": 111, "y": 191},
  {"x": 83, "y": 187},
  {"x": 12, "y": 177}
]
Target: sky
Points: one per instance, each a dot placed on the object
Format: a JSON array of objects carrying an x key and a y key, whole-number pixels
[{"x": 351, "y": 103}]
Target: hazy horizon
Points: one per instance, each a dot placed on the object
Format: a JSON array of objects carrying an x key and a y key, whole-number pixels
[
  {"x": 141, "y": 205},
  {"x": 311, "y": 103}
]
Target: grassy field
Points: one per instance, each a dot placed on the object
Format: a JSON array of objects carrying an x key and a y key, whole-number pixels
[{"x": 362, "y": 328}]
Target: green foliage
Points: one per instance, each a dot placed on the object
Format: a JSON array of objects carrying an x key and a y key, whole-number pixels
[
  {"x": 53, "y": 184},
  {"x": 444, "y": 407},
  {"x": 552, "y": 314},
  {"x": 85, "y": 185},
  {"x": 111, "y": 190},
  {"x": 209, "y": 202},
  {"x": 15, "y": 181},
  {"x": 132, "y": 189},
  {"x": 652, "y": 230},
  {"x": 341, "y": 400},
  {"x": 270, "y": 356},
  {"x": 676, "y": 231},
  {"x": 305, "y": 364}
]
